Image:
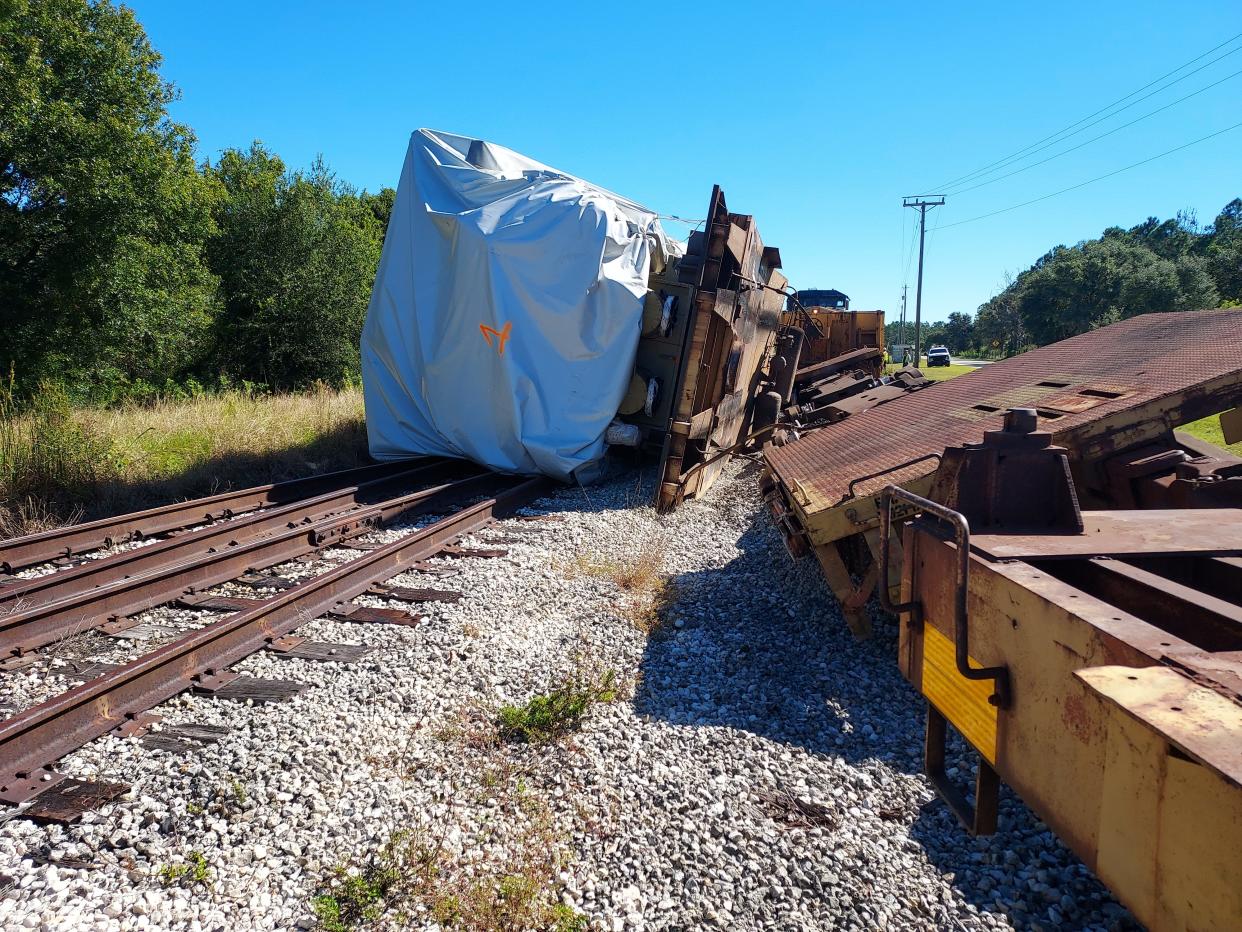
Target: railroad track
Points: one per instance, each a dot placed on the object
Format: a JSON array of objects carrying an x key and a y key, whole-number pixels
[{"x": 248, "y": 533}]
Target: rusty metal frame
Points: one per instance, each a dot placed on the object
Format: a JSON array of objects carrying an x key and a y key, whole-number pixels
[
  {"x": 21, "y": 552},
  {"x": 1123, "y": 735},
  {"x": 33, "y": 740},
  {"x": 732, "y": 322}
]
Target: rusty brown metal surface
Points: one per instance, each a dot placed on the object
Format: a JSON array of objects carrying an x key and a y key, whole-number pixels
[
  {"x": 727, "y": 342},
  {"x": 409, "y": 594},
  {"x": 869, "y": 359},
  {"x": 1173, "y": 368},
  {"x": 1208, "y": 531},
  {"x": 33, "y": 740},
  {"x": 28, "y": 628},
  {"x": 1179, "y": 709},
  {"x": 21, "y": 552}
]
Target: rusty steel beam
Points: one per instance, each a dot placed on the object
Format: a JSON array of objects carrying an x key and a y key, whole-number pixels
[
  {"x": 178, "y": 548},
  {"x": 1208, "y": 622},
  {"x": 35, "y": 739},
  {"x": 21, "y": 552},
  {"x": 28, "y": 628}
]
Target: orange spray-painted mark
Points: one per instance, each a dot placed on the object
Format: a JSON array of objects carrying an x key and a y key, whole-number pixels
[{"x": 501, "y": 335}]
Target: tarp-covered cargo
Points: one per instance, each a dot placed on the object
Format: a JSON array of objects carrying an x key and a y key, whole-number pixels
[{"x": 506, "y": 310}]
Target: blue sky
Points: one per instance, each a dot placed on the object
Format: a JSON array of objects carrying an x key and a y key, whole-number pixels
[{"x": 816, "y": 118}]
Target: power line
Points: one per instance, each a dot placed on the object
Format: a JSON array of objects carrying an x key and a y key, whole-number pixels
[
  {"x": 1057, "y": 155},
  {"x": 1108, "y": 116},
  {"x": 1083, "y": 184},
  {"x": 1060, "y": 133}
]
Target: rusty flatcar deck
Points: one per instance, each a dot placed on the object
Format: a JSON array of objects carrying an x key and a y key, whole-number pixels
[{"x": 1111, "y": 388}]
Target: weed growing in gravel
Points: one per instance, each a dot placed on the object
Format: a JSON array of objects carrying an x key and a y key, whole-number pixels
[
  {"x": 651, "y": 614},
  {"x": 648, "y": 590},
  {"x": 632, "y": 573},
  {"x": 195, "y": 872},
  {"x": 411, "y": 874},
  {"x": 550, "y": 715},
  {"x": 636, "y": 572},
  {"x": 355, "y": 897}
]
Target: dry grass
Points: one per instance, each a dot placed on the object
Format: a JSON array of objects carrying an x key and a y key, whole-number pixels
[
  {"x": 59, "y": 463},
  {"x": 415, "y": 875},
  {"x": 647, "y": 590},
  {"x": 489, "y": 862}
]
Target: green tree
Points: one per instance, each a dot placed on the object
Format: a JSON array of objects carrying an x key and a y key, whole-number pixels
[
  {"x": 933, "y": 332},
  {"x": 1223, "y": 252},
  {"x": 999, "y": 327},
  {"x": 1158, "y": 265},
  {"x": 296, "y": 255},
  {"x": 1072, "y": 289},
  {"x": 959, "y": 332},
  {"x": 103, "y": 213},
  {"x": 380, "y": 204}
]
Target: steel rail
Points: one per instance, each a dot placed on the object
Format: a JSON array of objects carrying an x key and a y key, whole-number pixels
[
  {"x": 181, "y": 547},
  {"x": 33, "y": 549},
  {"x": 32, "y": 741},
  {"x": 40, "y": 625}
]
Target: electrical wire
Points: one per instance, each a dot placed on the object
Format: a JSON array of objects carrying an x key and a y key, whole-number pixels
[
  {"x": 910, "y": 255},
  {"x": 1096, "y": 138},
  {"x": 1059, "y": 135},
  {"x": 1083, "y": 184}
]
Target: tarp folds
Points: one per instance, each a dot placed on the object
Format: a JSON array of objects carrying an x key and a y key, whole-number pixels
[{"x": 506, "y": 311}]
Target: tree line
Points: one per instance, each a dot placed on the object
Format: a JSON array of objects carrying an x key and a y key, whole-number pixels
[
  {"x": 127, "y": 268},
  {"x": 1158, "y": 265}
]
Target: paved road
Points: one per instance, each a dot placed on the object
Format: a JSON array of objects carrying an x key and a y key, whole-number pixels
[{"x": 971, "y": 362}]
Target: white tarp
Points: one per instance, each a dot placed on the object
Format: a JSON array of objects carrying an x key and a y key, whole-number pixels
[{"x": 506, "y": 311}]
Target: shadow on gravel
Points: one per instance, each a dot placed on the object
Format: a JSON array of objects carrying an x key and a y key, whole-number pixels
[{"x": 764, "y": 650}]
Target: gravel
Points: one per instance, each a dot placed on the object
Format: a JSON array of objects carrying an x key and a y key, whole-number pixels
[{"x": 760, "y": 768}]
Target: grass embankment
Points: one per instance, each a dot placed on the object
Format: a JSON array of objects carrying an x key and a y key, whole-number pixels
[
  {"x": 1207, "y": 429},
  {"x": 940, "y": 373},
  {"x": 59, "y": 463}
]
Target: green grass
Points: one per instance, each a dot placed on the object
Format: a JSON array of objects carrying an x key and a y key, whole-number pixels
[
  {"x": 941, "y": 373},
  {"x": 411, "y": 873},
  {"x": 1209, "y": 429},
  {"x": 60, "y": 463},
  {"x": 195, "y": 872}
]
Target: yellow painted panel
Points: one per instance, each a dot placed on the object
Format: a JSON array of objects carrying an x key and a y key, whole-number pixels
[{"x": 963, "y": 702}]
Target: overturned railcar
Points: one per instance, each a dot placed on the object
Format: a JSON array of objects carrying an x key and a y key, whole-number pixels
[{"x": 527, "y": 320}]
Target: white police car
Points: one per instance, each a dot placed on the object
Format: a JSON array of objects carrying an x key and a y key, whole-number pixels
[{"x": 938, "y": 355}]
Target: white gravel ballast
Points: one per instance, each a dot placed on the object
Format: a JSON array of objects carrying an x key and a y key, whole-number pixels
[{"x": 721, "y": 753}]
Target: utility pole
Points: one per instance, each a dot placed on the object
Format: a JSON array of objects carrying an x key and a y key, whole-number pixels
[
  {"x": 922, "y": 203},
  {"x": 901, "y": 340}
]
